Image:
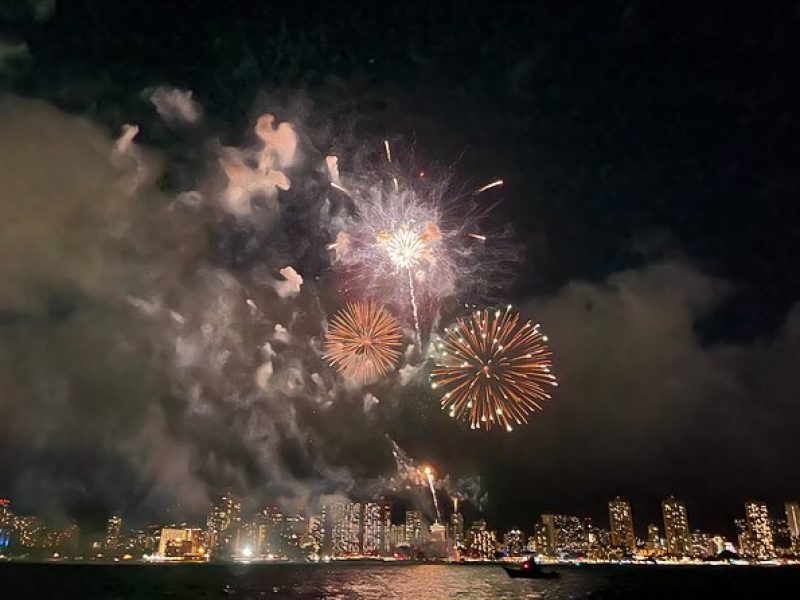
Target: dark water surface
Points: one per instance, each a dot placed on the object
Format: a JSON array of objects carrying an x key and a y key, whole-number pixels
[{"x": 344, "y": 581}]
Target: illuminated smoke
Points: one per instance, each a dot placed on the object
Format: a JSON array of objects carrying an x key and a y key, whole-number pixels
[
  {"x": 290, "y": 286},
  {"x": 176, "y": 106}
]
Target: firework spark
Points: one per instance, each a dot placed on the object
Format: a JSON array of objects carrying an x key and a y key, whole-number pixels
[
  {"x": 363, "y": 341},
  {"x": 493, "y": 370},
  {"x": 489, "y": 186}
]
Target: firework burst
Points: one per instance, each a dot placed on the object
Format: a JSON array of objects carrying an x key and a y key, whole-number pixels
[
  {"x": 493, "y": 370},
  {"x": 363, "y": 341},
  {"x": 412, "y": 243}
]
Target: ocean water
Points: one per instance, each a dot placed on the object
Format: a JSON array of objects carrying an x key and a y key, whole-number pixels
[{"x": 346, "y": 581}]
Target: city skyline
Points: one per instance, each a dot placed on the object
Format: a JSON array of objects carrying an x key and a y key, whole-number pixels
[{"x": 371, "y": 528}]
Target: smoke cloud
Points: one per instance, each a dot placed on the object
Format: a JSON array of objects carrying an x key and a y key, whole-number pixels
[{"x": 176, "y": 106}]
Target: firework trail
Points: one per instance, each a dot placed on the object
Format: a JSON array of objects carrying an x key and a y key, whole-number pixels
[
  {"x": 363, "y": 341},
  {"x": 493, "y": 369},
  {"x": 489, "y": 186},
  {"x": 429, "y": 476},
  {"x": 415, "y": 310}
]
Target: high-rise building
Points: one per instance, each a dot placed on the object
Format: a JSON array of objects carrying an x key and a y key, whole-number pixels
[
  {"x": 547, "y": 541},
  {"x": 759, "y": 540},
  {"x": 793, "y": 519},
  {"x": 386, "y": 526},
  {"x": 456, "y": 530},
  {"x": 373, "y": 528},
  {"x": 314, "y": 538},
  {"x": 436, "y": 544},
  {"x": 570, "y": 535},
  {"x": 793, "y": 524},
  {"x": 413, "y": 526},
  {"x": 223, "y": 526},
  {"x": 514, "y": 542},
  {"x": 346, "y": 529},
  {"x": 247, "y": 546},
  {"x": 113, "y": 531},
  {"x": 540, "y": 540},
  {"x": 653, "y": 543},
  {"x": 480, "y": 541},
  {"x": 398, "y": 536},
  {"x": 28, "y": 531},
  {"x": 269, "y": 532},
  {"x": 621, "y": 521},
  {"x": 700, "y": 545},
  {"x": 676, "y": 527},
  {"x": 144, "y": 541}
]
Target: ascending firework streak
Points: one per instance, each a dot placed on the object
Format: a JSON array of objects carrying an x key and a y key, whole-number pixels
[
  {"x": 406, "y": 249},
  {"x": 493, "y": 369},
  {"x": 429, "y": 475},
  {"x": 363, "y": 341}
]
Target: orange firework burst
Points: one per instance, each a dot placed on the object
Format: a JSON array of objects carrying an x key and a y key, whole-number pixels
[
  {"x": 363, "y": 341},
  {"x": 493, "y": 369}
]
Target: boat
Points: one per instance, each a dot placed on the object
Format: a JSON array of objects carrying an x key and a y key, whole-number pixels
[{"x": 529, "y": 569}]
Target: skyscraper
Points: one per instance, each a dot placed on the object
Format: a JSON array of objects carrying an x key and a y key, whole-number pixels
[
  {"x": 653, "y": 543},
  {"x": 514, "y": 542},
  {"x": 313, "y": 539},
  {"x": 376, "y": 527},
  {"x": 793, "y": 519},
  {"x": 113, "y": 528},
  {"x": 346, "y": 529},
  {"x": 386, "y": 526},
  {"x": 398, "y": 535},
  {"x": 540, "y": 539},
  {"x": 436, "y": 546},
  {"x": 456, "y": 529},
  {"x": 570, "y": 534},
  {"x": 793, "y": 523},
  {"x": 759, "y": 531},
  {"x": 547, "y": 543},
  {"x": 223, "y": 526},
  {"x": 372, "y": 537},
  {"x": 620, "y": 519},
  {"x": 676, "y": 527},
  {"x": 413, "y": 526},
  {"x": 480, "y": 542}
]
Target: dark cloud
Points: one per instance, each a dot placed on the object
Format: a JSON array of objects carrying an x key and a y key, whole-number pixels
[{"x": 646, "y": 408}]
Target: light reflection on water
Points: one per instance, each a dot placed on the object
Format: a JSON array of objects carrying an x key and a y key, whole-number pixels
[
  {"x": 349, "y": 581},
  {"x": 431, "y": 581}
]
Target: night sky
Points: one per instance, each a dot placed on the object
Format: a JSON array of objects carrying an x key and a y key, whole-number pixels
[{"x": 650, "y": 155}]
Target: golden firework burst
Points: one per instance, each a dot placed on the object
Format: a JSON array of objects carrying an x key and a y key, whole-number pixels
[
  {"x": 363, "y": 341},
  {"x": 492, "y": 369}
]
